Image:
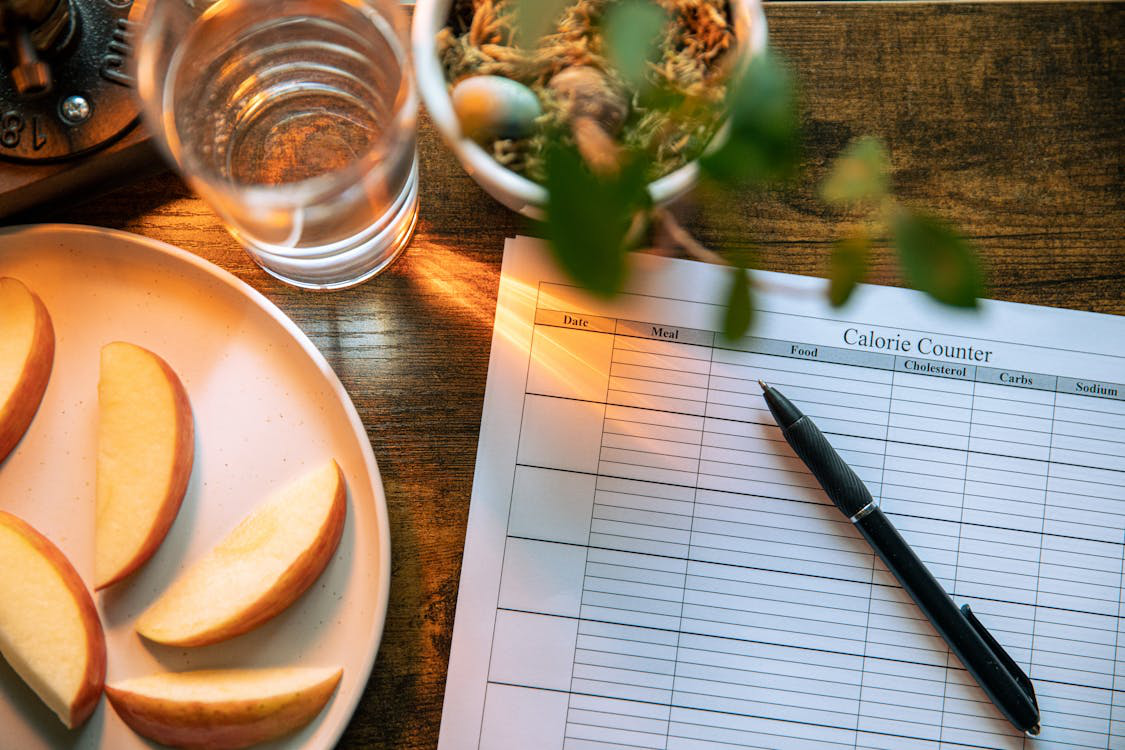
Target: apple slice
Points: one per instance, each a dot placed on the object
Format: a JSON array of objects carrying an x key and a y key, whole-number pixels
[
  {"x": 49, "y": 630},
  {"x": 27, "y": 351},
  {"x": 222, "y": 709},
  {"x": 146, "y": 446},
  {"x": 259, "y": 569}
]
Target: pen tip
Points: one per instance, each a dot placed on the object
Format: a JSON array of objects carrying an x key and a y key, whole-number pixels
[{"x": 765, "y": 385}]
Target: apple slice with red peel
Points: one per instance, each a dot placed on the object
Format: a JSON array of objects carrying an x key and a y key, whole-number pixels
[
  {"x": 146, "y": 446},
  {"x": 27, "y": 351},
  {"x": 259, "y": 569},
  {"x": 222, "y": 709},
  {"x": 49, "y": 629}
]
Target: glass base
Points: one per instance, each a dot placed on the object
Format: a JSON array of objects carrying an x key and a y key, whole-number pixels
[{"x": 359, "y": 263}]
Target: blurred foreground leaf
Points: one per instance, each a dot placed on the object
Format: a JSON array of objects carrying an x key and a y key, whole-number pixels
[
  {"x": 632, "y": 30},
  {"x": 936, "y": 259},
  {"x": 859, "y": 174},
  {"x": 847, "y": 267},
  {"x": 535, "y": 19},
  {"x": 588, "y": 216},
  {"x": 764, "y": 144},
  {"x": 740, "y": 309},
  {"x": 660, "y": 95}
]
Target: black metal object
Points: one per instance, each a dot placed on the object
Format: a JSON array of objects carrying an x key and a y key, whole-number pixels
[
  {"x": 982, "y": 656},
  {"x": 89, "y": 64}
]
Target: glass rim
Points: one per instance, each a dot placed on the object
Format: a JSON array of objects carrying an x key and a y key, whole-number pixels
[{"x": 152, "y": 91}]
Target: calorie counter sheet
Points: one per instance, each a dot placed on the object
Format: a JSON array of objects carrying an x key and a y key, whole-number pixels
[{"x": 648, "y": 565}]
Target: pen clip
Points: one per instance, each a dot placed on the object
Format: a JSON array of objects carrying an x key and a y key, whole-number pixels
[{"x": 1009, "y": 663}]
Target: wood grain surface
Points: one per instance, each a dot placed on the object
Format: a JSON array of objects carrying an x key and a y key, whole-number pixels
[{"x": 1006, "y": 118}]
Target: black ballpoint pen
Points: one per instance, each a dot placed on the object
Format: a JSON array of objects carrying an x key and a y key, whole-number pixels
[{"x": 994, "y": 670}]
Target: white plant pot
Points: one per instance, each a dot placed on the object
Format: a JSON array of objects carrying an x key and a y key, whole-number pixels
[{"x": 514, "y": 190}]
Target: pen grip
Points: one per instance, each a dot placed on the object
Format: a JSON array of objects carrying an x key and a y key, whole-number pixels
[
  {"x": 954, "y": 627},
  {"x": 846, "y": 490}
]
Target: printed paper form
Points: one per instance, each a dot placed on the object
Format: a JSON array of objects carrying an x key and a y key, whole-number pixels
[{"x": 647, "y": 565}]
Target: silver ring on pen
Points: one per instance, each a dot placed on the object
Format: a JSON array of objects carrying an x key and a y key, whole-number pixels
[{"x": 864, "y": 511}]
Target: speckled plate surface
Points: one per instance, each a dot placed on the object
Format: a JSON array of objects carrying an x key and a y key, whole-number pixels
[{"x": 267, "y": 407}]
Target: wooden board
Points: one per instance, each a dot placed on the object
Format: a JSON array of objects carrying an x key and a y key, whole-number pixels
[
  {"x": 1006, "y": 118},
  {"x": 24, "y": 185}
]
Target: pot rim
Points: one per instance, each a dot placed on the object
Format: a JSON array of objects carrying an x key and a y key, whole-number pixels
[{"x": 431, "y": 15}]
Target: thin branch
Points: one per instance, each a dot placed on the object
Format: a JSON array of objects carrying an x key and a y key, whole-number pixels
[
  {"x": 637, "y": 226},
  {"x": 695, "y": 249},
  {"x": 685, "y": 241}
]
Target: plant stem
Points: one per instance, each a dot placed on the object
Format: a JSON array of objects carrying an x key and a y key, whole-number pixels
[{"x": 685, "y": 241}]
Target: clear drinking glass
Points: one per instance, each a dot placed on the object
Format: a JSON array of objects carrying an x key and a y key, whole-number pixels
[{"x": 296, "y": 121}]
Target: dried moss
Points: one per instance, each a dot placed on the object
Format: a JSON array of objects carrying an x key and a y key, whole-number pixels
[{"x": 690, "y": 69}]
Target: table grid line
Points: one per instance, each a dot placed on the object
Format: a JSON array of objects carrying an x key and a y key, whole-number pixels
[
  {"x": 649, "y": 466},
  {"x": 691, "y": 533}
]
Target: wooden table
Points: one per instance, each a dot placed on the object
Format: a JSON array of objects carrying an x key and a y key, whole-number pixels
[{"x": 1006, "y": 118}]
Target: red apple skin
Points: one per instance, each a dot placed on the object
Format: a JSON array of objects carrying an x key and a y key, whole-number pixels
[
  {"x": 87, "y": 698},
  {"x": 16, "y": 415},
  {"x": 233, "y": 725},
  {"x": 177, "y": 486},
  {"x": 300, "y": 575}
]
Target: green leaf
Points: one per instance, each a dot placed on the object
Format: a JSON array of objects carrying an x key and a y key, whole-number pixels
[
  {"x": 660, "y": 95},
  {"x": 632, "y": 30},
  {"x": 859, "y": 174},
  {"x": 740, "y": 311},
  {"x": 936, "y": 259},
  {"x": 764, "y": 142},
  {"x": 534, "y": 20},
  {"x": 588, "y": 216},
  {"x": 847, "y": 268}
]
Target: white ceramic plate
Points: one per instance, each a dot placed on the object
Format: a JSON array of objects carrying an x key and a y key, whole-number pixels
[{"x": 267, "y": 407}]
